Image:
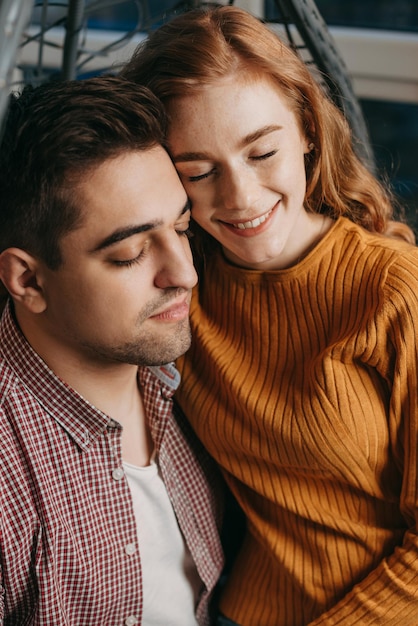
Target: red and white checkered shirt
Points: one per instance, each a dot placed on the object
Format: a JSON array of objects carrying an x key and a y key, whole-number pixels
[{"x": 69, "y": 548}]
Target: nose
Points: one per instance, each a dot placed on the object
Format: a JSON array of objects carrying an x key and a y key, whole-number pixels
[
  {"x": 236, "y": 188},
  {"x": 176, "y": 267}
]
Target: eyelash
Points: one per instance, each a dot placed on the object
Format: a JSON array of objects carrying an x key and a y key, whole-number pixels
[
  {"x": 186, "y": 233},
  {"x": 130, "y": 262},
  {"x": 262, "y": 157},
  {"x": 194, "y": 179}
]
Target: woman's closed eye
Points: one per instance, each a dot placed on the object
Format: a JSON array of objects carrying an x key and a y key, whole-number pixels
[
  {"x": 197, "y": 177},
  {"x": 194, "y": 171},
  {"x": 262, "y": 157},
  {"x": 202, "y": 175},
  {"x": 194, "y": 178}
]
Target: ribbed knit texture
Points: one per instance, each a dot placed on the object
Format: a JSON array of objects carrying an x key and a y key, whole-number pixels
[{"x": 302, "y": 383}]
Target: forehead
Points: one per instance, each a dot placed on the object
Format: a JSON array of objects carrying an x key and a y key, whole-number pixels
[
  {"x": 134, "y": 187},
  {"x": 134, "y": 192},
  {"x": 230, "y": 106}
]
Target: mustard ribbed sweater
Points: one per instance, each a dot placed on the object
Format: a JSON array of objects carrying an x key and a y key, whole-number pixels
[{"x": 303, "y": 385}]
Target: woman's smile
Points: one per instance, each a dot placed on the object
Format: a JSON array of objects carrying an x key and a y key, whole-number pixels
[{"x": 249, "y": 228}]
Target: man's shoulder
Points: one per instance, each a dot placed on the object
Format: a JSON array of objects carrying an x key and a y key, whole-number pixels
[
  {"x": 16, "y": 401},
  {"x": 13, "y": 404},
  {"x": 8, "y": 380}
]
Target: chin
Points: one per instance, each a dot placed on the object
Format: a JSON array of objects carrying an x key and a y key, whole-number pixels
[
  {"x": 170, "y": 349},
  {"x": 255, "y": 263}
]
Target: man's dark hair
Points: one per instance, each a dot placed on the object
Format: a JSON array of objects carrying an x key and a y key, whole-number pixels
[{"x": 52, "y": 136}]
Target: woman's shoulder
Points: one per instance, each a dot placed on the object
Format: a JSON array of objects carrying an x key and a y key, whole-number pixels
[
  {"x": 388, "y": 263},
  {"x": 383, "y": 248}
]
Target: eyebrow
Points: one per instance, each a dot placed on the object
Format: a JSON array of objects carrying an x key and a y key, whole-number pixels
[
  {"x": 124, "y": 233},
  {"x": 245, "y": 141},
  {"x": 261, "y": 132}
]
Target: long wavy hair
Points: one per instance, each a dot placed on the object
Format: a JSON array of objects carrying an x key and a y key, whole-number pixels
[{"x": 200, "y": 46}]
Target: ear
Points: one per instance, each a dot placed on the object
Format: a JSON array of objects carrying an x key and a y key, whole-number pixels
[
  {"x": 308, "y": 145},
  {"x": 19, "y": 273}
]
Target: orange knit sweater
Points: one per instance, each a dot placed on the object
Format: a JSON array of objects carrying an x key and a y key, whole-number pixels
[{"x": 303, "y": 385}]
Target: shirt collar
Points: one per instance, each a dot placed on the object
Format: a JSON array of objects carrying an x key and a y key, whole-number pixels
[{"x": 168, "y": 375}]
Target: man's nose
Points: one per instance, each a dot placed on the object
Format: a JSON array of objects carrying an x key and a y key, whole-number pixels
[{"x": 176, "y": 267}]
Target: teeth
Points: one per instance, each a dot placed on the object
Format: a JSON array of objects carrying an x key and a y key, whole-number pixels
[{"x": 252, "y": 223}]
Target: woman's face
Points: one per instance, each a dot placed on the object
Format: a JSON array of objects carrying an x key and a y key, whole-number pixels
[{"x": 240, "y": 154}]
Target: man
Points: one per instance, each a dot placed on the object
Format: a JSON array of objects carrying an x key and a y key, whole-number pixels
[{"x": 107, "y": 517}]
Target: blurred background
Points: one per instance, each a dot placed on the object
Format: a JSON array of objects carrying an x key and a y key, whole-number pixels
[{"x": 377, "y": 40}]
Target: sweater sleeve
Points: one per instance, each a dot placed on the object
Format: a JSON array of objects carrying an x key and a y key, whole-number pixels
[{"x": 388, "y": 596}]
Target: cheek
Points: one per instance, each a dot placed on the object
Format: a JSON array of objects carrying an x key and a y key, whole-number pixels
[
  {"x": 196, "y": 195},
  {"x": 201, "y": 203},
  {"x": 201, "y": 216}
]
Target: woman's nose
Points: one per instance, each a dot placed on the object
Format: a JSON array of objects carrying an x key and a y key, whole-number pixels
[{"x": 236, "y": 189}]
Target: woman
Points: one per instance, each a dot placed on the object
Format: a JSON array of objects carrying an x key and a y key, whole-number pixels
[{"x": 302, "y": 377}]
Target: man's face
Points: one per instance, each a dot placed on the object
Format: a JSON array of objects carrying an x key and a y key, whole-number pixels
[{"x": 123, "y": 290}]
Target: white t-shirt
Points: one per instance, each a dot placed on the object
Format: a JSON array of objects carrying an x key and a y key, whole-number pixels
[{"x": 170, "y": 579}]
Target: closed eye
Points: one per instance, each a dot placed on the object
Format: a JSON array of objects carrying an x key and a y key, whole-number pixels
[
  {"x": 129, "y": 262},
  {"x": 262, "y": 157},
  {"x": 133, "y": 260},
  {"x": 185, "y": 233},
  {"x": 198, "y": 177}
]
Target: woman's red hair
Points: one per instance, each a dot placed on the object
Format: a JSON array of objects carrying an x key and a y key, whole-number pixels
[{"x": 201, "y": 46}]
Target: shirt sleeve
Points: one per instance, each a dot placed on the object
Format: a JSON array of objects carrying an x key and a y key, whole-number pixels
[
  {"x": 388, "y": 596},
  {"x": 1, "y": 603},
  {"x": 2, "y": 593},
  {"x": 2, "y": 590}
]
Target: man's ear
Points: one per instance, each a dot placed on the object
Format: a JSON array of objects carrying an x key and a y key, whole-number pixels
[{"x": 19, "y": 273}]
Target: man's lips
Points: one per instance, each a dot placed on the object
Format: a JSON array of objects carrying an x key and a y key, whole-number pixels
[{"x": 176, "y": 310}]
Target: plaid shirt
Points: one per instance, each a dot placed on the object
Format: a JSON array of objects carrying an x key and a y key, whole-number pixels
[{"x": 69, "y": 549}]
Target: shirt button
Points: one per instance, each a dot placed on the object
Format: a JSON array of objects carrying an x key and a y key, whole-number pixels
[
  {"x": 130, "y": 548},
  {"x": 131, "y": 621},
  {"x": 118, "y": 473}
]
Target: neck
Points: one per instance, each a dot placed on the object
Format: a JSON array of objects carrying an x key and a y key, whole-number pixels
[{"x": 112, "y": 387}]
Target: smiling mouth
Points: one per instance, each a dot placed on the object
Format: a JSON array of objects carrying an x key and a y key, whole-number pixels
[{"x": 251, "y": 223}]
